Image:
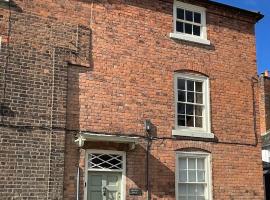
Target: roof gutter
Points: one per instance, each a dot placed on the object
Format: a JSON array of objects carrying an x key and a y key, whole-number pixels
[{"x": 258, "y": 16}]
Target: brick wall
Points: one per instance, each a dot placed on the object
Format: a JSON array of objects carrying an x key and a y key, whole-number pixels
[
  {"x": 264, "y": 104},
  {"x": 34, "y": 75},
  {"x": 113, "y": 66}
]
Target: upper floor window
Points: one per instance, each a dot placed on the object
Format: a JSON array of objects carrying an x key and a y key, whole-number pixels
[
  {"x": 192, "y": 113},
  {"x": 189, "y": 23}
]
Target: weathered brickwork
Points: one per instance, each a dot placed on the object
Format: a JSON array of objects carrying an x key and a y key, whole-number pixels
[
  {"x": 107, "y": 65},
  {"x": 264, "y": 103}
]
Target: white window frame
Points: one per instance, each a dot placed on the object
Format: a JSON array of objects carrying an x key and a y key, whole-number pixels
[
  {"x": 266, "y": 155},
  {"x": 123, "y": 182},
  {"x": 208, "y": 170},
  {"x": 204, "y": 132},
  {"x": 189, "y": 37}
]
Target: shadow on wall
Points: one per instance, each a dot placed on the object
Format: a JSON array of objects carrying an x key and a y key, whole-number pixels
[
  {"x": 6, "y": 111},
  {"x": 81, "y": 64},
  {"x": 161, "y": 177}
]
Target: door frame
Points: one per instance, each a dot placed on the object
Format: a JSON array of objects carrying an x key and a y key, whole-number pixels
[{"x": 123, "y": 171}]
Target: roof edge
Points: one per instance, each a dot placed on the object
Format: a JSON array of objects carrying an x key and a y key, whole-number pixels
[{"x": 258, "y": 16}]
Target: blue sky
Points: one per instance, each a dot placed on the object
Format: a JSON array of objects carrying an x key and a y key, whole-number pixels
[{"x": 262, "y": 28}]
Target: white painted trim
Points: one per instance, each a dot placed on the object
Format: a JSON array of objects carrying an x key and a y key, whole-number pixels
[
  {"x": 204, "y": 132},
  {"x": 266, "y": 155},
  {"x": 208, "y": 170},
  {"x": 123, "y": 182},
  {"x": 193, "y": 134},
  {"x": 190, "y": 38},
  {"x": 82, "y": 137},
  {"x": 193, "y": 38}
]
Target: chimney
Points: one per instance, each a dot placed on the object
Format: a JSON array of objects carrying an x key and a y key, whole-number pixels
[{"x": 266, "y": 73}]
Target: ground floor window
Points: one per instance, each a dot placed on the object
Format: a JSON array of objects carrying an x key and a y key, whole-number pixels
[{"x": 193, "y": 180}]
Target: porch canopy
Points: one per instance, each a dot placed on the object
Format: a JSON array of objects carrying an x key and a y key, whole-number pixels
[{"x": 83, "y": 137}]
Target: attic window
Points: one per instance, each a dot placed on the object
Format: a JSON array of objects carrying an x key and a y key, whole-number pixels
[{"x": 189, "y": 23}]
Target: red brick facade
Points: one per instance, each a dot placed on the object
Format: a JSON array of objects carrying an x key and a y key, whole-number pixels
[
  {"x": 264, "y": 103},
  {"x": 105, "y": 66}
]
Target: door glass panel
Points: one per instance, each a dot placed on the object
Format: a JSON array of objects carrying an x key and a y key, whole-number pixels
[
  {"x": 94, "y": 188},
  {"x": 96, "y": 180},
  {"x": 95, "y": 196}
]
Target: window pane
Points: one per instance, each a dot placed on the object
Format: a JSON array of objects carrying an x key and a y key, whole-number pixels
[
  {"x": 200, "y": 198},
  {"x": 183, "y": 163},
  {"x": 192, "y": 175},
  {"x": 199, "y": 98},
  {"x": 188, "y": 28},
  {"x": 190, "y": 85},
  {"x": 181, "y": 108},
  {"x": 192, "y": 198},
  {"x": 192, "y": 190},
  {"x": 192, "y": 163},
  {"x": 190, "y": 109},
  {"x": 183, "y": 198},
  {"x": 181, "y": 120},
  {"x": 183, "y": 175},
  {"x": 181, "y": 84},
  {"x": 198, "y": 122},
  {"x": 200, "y": 190},
  {"x": 190, "y": 97},
  {"x": 190, "y": 121},
  {"x": 198, "y": 110},
  {"x": 181, "y": 96},
  {"x": 180, "y": 27},
  {"x": 201, "y": 175},
  {"x": 198, "y": 86},
  {"x": 197, "y": 17},
  {"x": 182, "y": 189},
  {"x": 196, "y": 30},
  {"x": 180, "y": 13},
  {"x": 200, "y": 163},
  {"x": 189, "y": 16}
]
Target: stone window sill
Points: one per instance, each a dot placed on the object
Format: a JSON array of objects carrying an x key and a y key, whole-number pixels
[
  {"x": 190, "y": 133},
  {"x": 189, "y": 38}
]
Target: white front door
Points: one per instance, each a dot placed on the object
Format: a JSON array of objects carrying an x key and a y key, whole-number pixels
[{"x": 104, "y": 186}]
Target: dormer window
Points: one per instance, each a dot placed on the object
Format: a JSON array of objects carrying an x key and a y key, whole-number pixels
[{"x": 189, "y": 23}]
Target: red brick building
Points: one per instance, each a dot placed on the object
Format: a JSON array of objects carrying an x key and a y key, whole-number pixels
[{"x": 95, "y": 71}]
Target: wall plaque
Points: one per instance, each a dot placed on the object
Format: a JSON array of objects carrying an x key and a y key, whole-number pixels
[{"x": 135, "y": 192}]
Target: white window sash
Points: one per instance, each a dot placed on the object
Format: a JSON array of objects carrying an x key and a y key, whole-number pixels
[
  {"x": 203, "y": 37},
  {"x": 206, "y": 101},
  {"x": 208, "y": 172}
]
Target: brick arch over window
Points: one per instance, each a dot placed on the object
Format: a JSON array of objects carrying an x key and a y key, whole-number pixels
[
  {"x": 195, "y": 72},
  {"x": 193, "y": 149}
]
